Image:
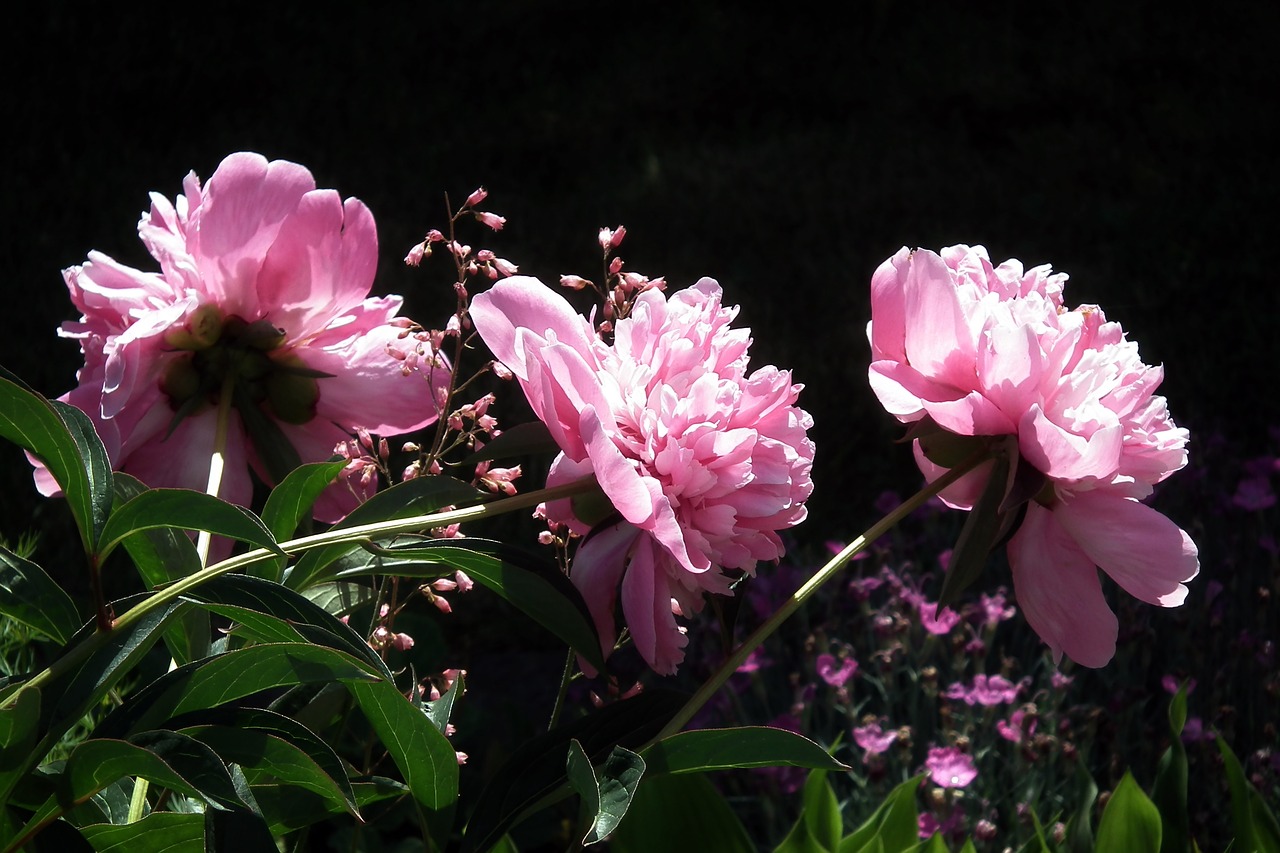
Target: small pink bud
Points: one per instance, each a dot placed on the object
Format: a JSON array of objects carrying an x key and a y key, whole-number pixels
[
  {"x": 464, "y": 585},
  {"x": 615, "y": 266},
  {"x": 500, "y": 370},
  {"x": 444, "y": 585},
  {"x": 462, "y": 758},
  {"x": 476, "y": 197},
  {"x": 416, "y": 254},
  {"x": 616, "y": 240},
  {"x": 434, "y": 236},
  {"x": 384, "y": 449},
  {"x": 441, "y": 605},
  {"x": 491, "y": 220},
  {"x": 505, "y": 267},
  {"x": 546, "y": 537},
  {"x": 606, "y": 237},
  {"x": 574, "y": 282},
  {"x": 403, "y": 642}
]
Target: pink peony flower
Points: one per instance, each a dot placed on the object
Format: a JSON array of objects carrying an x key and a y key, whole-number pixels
[
  {"x": 702, "y": 461},
  {"x": 990, "y": 351},
  {"x": 263, "y": 291},
  {"x": 949, "y": 767}
]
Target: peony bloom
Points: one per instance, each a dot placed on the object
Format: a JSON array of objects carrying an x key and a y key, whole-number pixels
[
  {"x": 702, "y": 461},
  {"x": 992, "y": 351},
  {"x": 263, "y": 293}
]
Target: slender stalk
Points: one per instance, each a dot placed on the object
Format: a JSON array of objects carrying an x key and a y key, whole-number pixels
[
  {"x": 374, "y": 530},
  {"x": 217, "y": 461},
  {"x": 565, "y": 678},
  {"x": 800, "y": 596}
]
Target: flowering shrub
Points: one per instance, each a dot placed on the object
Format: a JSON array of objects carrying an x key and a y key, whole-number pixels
[
  {"x": 703, "y": 461},
  {"x": 992, "y": 351}
]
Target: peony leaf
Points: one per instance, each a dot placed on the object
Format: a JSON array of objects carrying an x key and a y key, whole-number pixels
[
  {"x": 724, "y": 749},
  {"x": 680, "y": 813},
  {"x": 163, "y": 555},
  {"x": 269, "y": 612},
  {"x": 425, "y": 758},
  {"x": 158, "y": 831},
  {"x": 604, "y": 799},
  {"x": 289, "y": 504},
  {"x": 893, "y": 827},
  {"x": 28, "y": 595},
  {"x": 63, "y": 438},
  {"x": 819, "y": 826},
  {"x": 230, "y": 676},
  {"x": 418, "y": 496},
  {"x": 1130, "y": 822},
  {"x": 267, "y": 759},
  {"x": 537, "y": 769},
  {"x": 532, "y": 584},
  {"x": 340, "y": 598},
  {"x": 184, "y": 509},
  {"x": 19, "y": 726}
]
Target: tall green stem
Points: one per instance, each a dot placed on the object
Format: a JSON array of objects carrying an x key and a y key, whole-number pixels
[
  {"x": 800, "y": 596},
  {"x": 217, "y": 461}
]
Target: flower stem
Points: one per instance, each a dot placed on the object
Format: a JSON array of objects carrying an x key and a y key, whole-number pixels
[
  {"x": 177, "y": 589},
  {"x": 217, "y": 461},
  {"x": 809, "y": 587}
]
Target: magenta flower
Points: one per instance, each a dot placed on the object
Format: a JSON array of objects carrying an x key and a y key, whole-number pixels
[
  {"x": 703, "y": 461},
  {"x": 263, "y": 293},
  {"x": 989, "y": 351},
  {"x": 873, "y": 739},
  {"x": 836, "y": 672},
  {"x": 949, "y": 767},
  {"x": 985, "y": 691}
]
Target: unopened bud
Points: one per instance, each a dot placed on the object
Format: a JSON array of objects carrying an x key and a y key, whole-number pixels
[{"x": 476, "y": 197}]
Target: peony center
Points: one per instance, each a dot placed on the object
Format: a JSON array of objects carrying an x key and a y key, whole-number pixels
[{"x": 216, "y": 352}]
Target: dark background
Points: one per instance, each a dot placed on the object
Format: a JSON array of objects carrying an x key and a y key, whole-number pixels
[{"x": 784, "y": 152}]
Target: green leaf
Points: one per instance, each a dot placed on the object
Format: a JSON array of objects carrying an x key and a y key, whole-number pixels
[
  {"x": 18, "y": 730},
  {"x": 978, "y": 536},
  {"x": 683, "y": 812},
  {"x": 1080, "y": 830},
  {"x": 161, "y": 556},
  {"x": 724, "y": 749},
  {"x": 533, "y": 585},
  {"x": 159, "y": 831},
  {"x": 819, "y": 827},
  {"x": 340, "y": 598},
  {"x": 536, "y": 770},
  {"x": 423, "y": 755},
  {"x": 234, "y": 675},
  {"x": 1254, "y": 823},
  {"x": 68, "y": 446},
  {"x": 289, "y": 504},
  {"x": 419, "y": 496},
  {"x": 1169, "y": 793},
  {"x": 440, "y": 710},
  {"x": 185, "y": 509},
  {"x": 604, "y": 799},
  {"x": 266, "y": 758},
  {"x": 75, "y": 692},
  {"x": 30, "y": 596},
  {"x": 893, "y": 827},
  {"x": 1130, "y": 823},
  {"x": 270, "y": 612},
  {"x": 527, "y": 439}
]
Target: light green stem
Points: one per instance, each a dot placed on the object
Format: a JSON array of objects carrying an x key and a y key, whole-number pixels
[
  {"x": 358, "y": 533},
  {"x": 217, "y": 462},
  {"x": 800, "y": 596}
]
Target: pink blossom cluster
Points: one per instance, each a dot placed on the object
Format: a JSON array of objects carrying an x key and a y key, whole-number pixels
[
  {"x": 983, "y": 350},
  {"x": 986, "y": 691},
  {"x": 263, "y": 294},
  {"x": 702, "y": 461}
]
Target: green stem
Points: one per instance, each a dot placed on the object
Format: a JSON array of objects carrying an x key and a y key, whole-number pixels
[
  {"x": 800, "y": 596},
  {"x": 565, "y": 678},
  {"x": 374, "y": 530}
]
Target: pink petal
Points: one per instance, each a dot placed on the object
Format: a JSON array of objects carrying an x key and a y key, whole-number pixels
[
  {"x": 1144, "y": 552},
  {"x": 938, "y": 340},
  {"x": 1057, "y": 586},
  {"x": 888, "y": 329},
  {"x": 646, "y": 603},
  {"x": 539, "y": 310},
  {"x": 598, "y": 567},
  {"x": 1063, "y": 455}
]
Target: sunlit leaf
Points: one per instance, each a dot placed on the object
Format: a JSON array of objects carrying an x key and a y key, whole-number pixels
[
  {"x": 28, "y": 595},
  {"x": 892, "y": 828},
  {"x": 289, "y": 504},
  {"x": 684, "y": 812},
  {"x": 185, "y": 509},
  {"x": 723, "y": 749},
  {"x": 19, "y": 723},
  {"x": 1130, "y": 822},
  {"x": 160, "y": 831},
  {"x": 819, "y": 826},
  {"x": 1254, "y": 823},
  {"x": 419, "y": 496},
  {"x": 64, "y": 439},
  {"x": 604, "y": 799}
]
